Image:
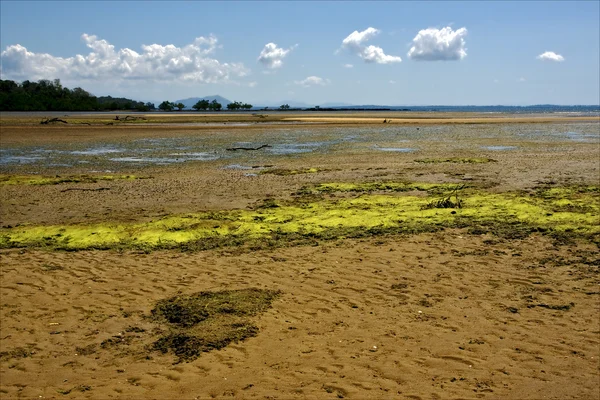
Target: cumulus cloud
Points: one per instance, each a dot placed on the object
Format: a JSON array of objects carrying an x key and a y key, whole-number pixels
[
  {"x": 192, "y": 62},
  {"x": 439, "y": 45},
  {"x": 272, "y": 56},
  {"x": 313, "y": 81},
  {"x": 550, "y": 56},
  {"x": 348, "y": 66},
  {"x": 356, "y": 39},
  {"x": 355, "y": 43}
]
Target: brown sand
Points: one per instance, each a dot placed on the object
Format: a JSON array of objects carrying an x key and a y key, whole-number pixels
[{"x": 439, "y": 316}]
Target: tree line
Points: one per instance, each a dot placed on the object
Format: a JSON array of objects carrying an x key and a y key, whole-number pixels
[
  {"x": 204, "y": 105},
  {"x": 46, "y": 95}
]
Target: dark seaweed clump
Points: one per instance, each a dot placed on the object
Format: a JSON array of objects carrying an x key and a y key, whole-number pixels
[{"x": 207, "y": 321}]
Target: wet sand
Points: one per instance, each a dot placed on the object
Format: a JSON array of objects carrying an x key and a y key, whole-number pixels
[{"x": 447, "y": 314}]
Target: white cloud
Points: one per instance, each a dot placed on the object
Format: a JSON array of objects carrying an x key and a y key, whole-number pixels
[
  {"x": 439, "y": 45},
  {"x": 371, "y": 54},
  {"x": 355, "y": 39},
  {"x": 313, "y": 81},
  {"x": 272, "y": 56},
  {"x": 393, "y": 82},
  {"x": 375, "y": 54},
  {"x": 550, "y": 56},
  {"x": 155, "y": 63},
  {"x": 252, "y": 84},
  {"x": 348, "y": 66},
  {"x": 521, "y": 79}
]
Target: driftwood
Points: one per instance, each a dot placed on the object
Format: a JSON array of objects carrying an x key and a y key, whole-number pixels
[
  {"x": 51, "y": 121},
  {"x": 130, "y": 118},
  {"x": 248, "y": 148},
  {"x": 86, "y": 190}
]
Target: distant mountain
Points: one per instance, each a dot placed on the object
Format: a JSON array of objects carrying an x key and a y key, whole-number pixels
[{"x": 190, "y": 102}]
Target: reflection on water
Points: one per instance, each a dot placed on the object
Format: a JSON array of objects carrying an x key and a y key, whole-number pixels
[
  {"x": 96, "y": 151},
  {"x": 294, "y": 148}
]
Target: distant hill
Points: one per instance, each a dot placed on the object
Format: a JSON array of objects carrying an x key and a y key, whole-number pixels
[
  {"x": 118, "y": 103},
  {"x": 190, "y": 102}
]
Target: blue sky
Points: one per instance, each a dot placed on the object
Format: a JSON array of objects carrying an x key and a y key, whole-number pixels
[{"x": 464, "y": 53}]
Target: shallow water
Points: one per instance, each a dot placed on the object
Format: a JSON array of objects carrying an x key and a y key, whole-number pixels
[
  {"x": 499, "y": 148},
  {"x": 396, "y": 149},
  {"x": 96, "y": 151},
  {"x": 293, "y": 141}
]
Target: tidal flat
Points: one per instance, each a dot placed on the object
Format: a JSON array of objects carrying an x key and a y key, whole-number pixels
[{"x": 211, "y": 256}]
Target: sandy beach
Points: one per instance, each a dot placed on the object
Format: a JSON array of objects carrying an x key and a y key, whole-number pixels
[{"x": 446, "y": 257}]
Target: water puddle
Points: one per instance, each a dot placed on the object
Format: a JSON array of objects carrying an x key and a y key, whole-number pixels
[
  {"x": 499, "y": 148},
  {"x": 167, "y": 160},
  {"x": 295, "y": 148},
  {"x": 581, "y": 137},
  {"x": 10, "y": 160},
  {"x": 396, "y": 149},
  {"x": 96, "y": 151},
  {"x": 237, "y": 166},
  {"x": 196, "y": 156}
]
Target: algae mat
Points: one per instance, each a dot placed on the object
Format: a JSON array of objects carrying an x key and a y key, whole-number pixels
[
  {"x": 369, "y": 209},
  {"x": 57, "y": 180}
]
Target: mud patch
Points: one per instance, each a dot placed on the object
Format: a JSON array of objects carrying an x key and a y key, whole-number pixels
[
  {"x": 285, "y": 172},
  {"x": 456, "y": 160}
]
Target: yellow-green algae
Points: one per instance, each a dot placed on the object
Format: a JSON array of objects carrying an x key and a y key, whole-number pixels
[
  {"x": 55, "y": 180},
  {"x": 460, "y": 160},
  {"x": 325, "y": 218}
]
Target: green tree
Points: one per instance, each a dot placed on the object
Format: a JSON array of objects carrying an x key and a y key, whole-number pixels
[
  {"x": 246, "y": 106},
  {"x": 215, "y": 106},
  {"x": 201, "y": 105},
  {"x": 284, "y": 107},
  {"x": 166, "y": 106},
  {"x": 180, "y": 106},
  {"x": 236, "y": 105}
]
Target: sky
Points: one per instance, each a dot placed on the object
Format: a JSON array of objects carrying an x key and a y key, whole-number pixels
[{"x": 383, "y": 53}]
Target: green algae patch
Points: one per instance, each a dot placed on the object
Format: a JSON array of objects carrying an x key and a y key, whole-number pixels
[
  {"x": 456, "y": 160},
  {"x": 286, "y": 172},
  {"x": 56, "y": 180},
  {"x": 372, "y": 209},
  {"x": 368, "y": 187},
  {"x": 205, "y": 321}
]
